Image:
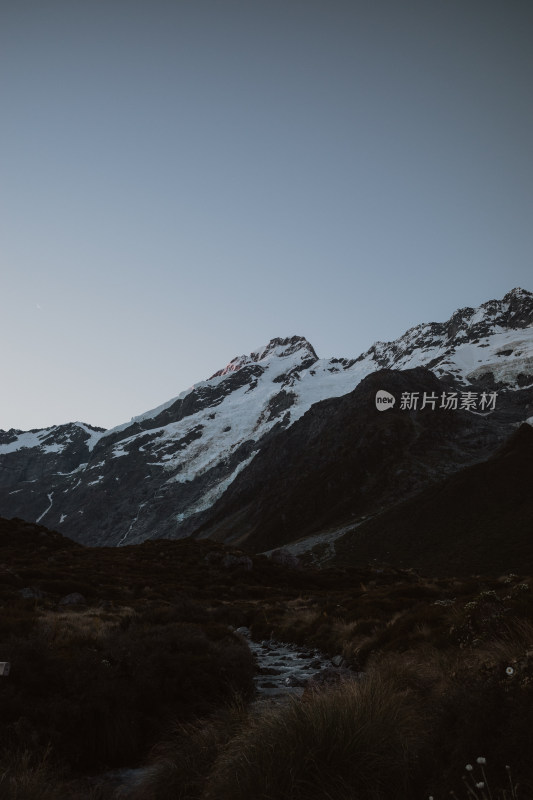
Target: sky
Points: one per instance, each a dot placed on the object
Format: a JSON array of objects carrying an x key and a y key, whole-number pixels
[{"x": 183, "y": 180}]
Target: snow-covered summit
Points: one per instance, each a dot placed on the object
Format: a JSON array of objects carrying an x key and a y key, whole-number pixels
[
  {"x": 54, "y": 439},
  {"x": 297, "y": 346},
  {"x": 470, "y": 344}
]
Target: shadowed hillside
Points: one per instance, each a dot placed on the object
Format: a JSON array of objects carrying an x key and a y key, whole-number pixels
[
  {"x": 476, "y": 521},
  {"x": 344, "y": 459}
]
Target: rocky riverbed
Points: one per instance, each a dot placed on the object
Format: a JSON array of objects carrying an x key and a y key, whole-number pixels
[{"x": 285, "y": 669}]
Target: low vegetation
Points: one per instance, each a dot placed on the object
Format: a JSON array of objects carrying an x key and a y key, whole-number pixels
[{"x": 141, "y": 666}]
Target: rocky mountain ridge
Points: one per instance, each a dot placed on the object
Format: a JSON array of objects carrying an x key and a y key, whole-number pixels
[
  {"x": 452, "y": 347},
  {"x": 162, "y": 473}
]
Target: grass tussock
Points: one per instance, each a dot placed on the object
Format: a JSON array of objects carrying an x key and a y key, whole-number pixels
[
  {"x": 182, "y": 763},
  {"x": 26, "y": 775},
  {"x": 356, "y": 740},
  {"x": 84, "y": 626}
]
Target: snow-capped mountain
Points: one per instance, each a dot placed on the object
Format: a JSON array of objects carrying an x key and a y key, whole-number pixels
[
  {"x": 157, "y": 474},
  {"x": 494, "y": 341}
]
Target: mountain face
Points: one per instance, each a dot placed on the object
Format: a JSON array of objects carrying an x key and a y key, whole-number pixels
[
  {"x": 344, "y": 460},
  {"x": 166, "y": 472},
  {"x": 476, "y": 521}
]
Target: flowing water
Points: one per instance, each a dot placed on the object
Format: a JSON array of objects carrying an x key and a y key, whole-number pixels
[{"x": 283, "y": 670}]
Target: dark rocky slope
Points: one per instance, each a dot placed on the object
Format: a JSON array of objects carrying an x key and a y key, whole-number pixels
[{"x": 344, "y": 459}]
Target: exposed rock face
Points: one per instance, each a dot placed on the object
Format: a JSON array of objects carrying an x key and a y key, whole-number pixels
[{"x": 161, "y": 474}]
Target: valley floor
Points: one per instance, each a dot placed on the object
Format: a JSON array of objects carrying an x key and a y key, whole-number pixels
[{"x": 135, "y": 664}]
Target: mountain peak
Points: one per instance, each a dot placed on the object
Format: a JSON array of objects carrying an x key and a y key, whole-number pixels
[
  {"x": 276, "y": 348},
  {"x": 518, "y": 294}
]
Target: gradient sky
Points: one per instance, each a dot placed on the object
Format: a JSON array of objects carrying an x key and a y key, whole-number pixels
[{"x": 182, "y": 181}]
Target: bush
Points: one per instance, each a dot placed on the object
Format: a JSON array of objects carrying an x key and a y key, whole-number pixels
[{"x": 102, "y": 696}]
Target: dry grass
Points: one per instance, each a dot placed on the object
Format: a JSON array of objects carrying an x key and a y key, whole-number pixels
[
  {"x": 91, "y": 624},
  {"x": 26, "y": 775},
  {"x": 181, "y": 764},
  {"x": 357, "y": 740}
]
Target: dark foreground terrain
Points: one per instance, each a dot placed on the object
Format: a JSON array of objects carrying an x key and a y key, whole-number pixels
[{"x": 122, "y": 657}]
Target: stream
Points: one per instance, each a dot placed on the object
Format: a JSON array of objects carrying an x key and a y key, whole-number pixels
[{"x": 283, "y": 670}]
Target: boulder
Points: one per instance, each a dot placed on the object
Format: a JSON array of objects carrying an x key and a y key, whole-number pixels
[
  {"x": 294, "y": 682},
  {"x": 30, "y": 593},
  {"x": 73, "y": 599},
  {"x": 286, "y": 558},
  {"x": 244, "y": 562}
]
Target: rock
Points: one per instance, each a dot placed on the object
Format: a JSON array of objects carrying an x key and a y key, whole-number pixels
[
  {"x": 295, "y": 682},
  {"x": 286, "y": 558},
  {"x": 245, "y": 562},
  {"x": 243, "y": 630},
  {"x": 73, "y": 599},
  {"x": 30, "y": 593},
  {"x": 213, "y": 557},
  {"x": 337, "y": 661}
]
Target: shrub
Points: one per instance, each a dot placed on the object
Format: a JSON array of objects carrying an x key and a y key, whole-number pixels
[{"x": 102, "y": 695}]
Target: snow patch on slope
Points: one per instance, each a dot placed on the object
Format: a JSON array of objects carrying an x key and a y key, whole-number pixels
[{"x": 29, "y": 439}]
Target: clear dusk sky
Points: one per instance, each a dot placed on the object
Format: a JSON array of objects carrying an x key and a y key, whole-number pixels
[{"x": 182, "y": 180}]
